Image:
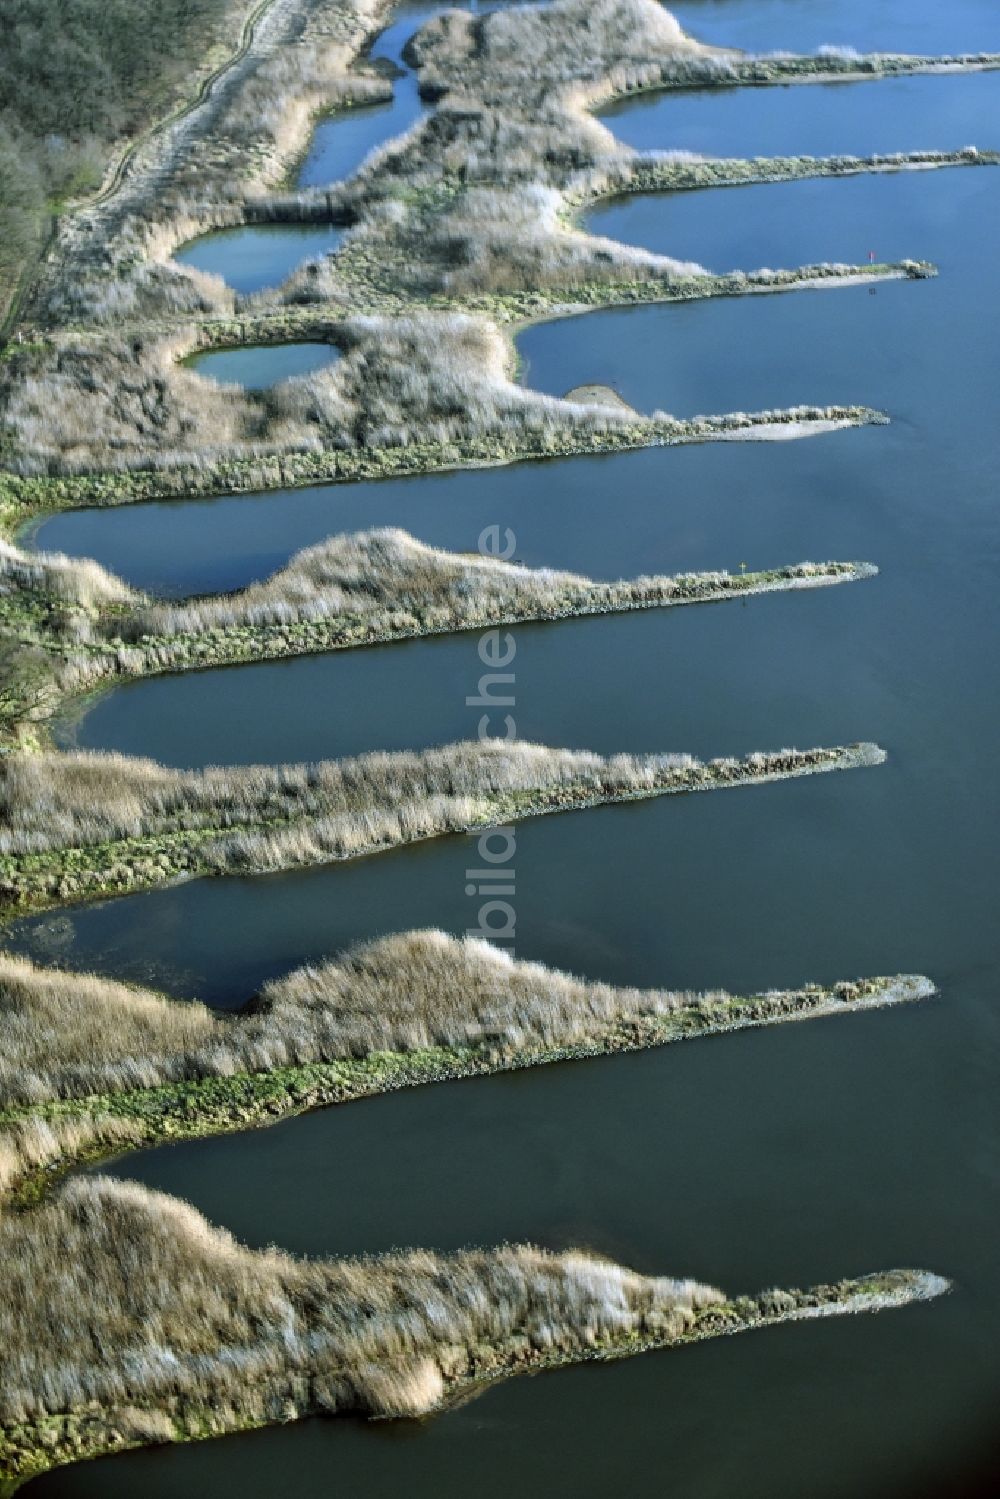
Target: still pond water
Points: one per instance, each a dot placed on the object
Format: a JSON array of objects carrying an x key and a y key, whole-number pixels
[{"x": 256, "y": 258}]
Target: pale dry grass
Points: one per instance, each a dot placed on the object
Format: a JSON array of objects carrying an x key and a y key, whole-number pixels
[
  {"x": 429, "y": 378},
  {"x": 71, "y": 1035},
  {"x": 389, "y": 579},
  {"x": 114, "y": 1294},
  {"x": 70, "y": 580},
  {"x": 474, "y": 204},
  {"x": 269, "y": 816}
]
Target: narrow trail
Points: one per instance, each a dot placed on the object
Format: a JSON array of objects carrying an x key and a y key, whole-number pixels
[{"x": 117, "y": 175}]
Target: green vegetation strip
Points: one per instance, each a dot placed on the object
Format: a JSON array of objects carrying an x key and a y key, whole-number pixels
[
  {"x": 91, "y": 1128},
  {"x": 254, "y": 820},
  {"x": 23, "y": 496}
]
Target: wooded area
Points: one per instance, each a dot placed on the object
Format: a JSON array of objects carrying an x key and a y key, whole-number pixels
[{"x": 75, "y": 77}]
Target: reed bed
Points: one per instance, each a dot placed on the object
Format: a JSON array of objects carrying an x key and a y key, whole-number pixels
[
  {"x": 127, "y": 1319},
  {"x": 73, "y": 825},
  {"x": 78, "y": 1036}
]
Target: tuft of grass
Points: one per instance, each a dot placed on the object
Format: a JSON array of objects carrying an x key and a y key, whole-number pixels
[
  {"x": 75, "y": 825},
  {"x": 126, "y": 1318}
]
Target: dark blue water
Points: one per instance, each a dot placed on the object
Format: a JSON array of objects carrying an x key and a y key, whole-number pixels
[
  {"x": 839, "y": 345},
  {"x": 926, "y": 27},
  {"x": 259, "y": 366},
  {"x": 343, "y": 140},
  {"x": 922, "y": 113},
  {"x": 786, "y": 224},
  {"x": 836, "y": 345},
  {"x": 412, "y": 696},
  {"x": 567, "y": 513},
  {"x": 784, "y": 1156}
]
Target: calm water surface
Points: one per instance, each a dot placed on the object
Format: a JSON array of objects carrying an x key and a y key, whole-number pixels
[
  {"x": 915, "y": 26},
  {"x": 567, "y": 513},
  {"x": 252, "y": 258},
  {"x": 936, "y": 113},
  {"x": 783, "y": 1156},
  {"x": 837, "y": 344},
  {"x": 342, "y": 141},
  {"x": 255, "y": 259},
  {"x": 259, "y": 366},
  {"x": 785, "y": 224}
]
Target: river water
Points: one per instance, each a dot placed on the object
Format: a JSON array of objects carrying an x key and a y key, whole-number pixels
[{"x": 783, "y": 1156}]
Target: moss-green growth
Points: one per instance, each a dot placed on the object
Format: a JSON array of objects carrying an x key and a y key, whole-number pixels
[
  {"x": 78, "y": 826},
  {"x": 22, "y": 496}
]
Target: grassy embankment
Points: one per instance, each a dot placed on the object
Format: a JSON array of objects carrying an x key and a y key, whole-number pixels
[
  {"x": 471, "y": 210},
  {"x": 168, "y": 1330},
  {"x": 91, "y": 1066},
  {"x": 75, "y": 826},
  {"x": 74, "y": 627}
]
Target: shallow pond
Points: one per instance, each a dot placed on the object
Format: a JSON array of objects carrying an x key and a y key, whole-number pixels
[
  {"x": 259, "y": 366},
  {"x": 836, "y": 344},
  {"x": 253, "y": 258},
  {"x": 787, "y": 1155}
]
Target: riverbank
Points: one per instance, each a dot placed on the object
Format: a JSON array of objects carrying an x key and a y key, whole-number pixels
[
  {"x": 415, "y": 1008},
  {"x": 399, "y": 1335},
  {"x": 79, "y": 826}
]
